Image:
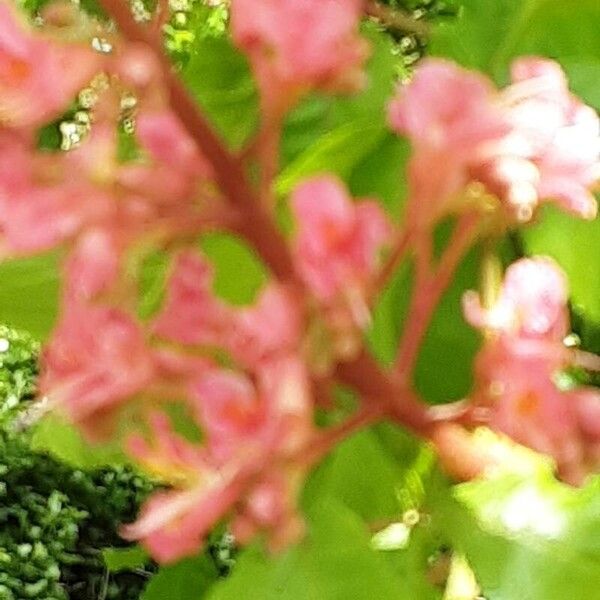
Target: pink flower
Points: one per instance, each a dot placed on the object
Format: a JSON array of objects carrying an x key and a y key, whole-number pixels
[
  {"x": 38, "y": 76},
  {"x": 517, "y": 365},
  {"x": 93, "y": 266},
  {"x": 253, "y": 436},
  {"x": 337, "y": 242},
  {"x": 173, "y": 524},
  {"x": 532, "y": 303},
  {"x": 207, "y": 486},
  {"x": 229, "y": 411},
  {"x": 588, "y": 411},
  {"x": 192, "y": 314},
  {"x": 531, "y": 143},
  {"x": 96, "y": 360},
  {"x": 446, "y": 107},
  {"x": 525, "y": 402},
  {"x": 270, "y": 328},
  {"x": 39, "y": 208},
  {"x": 163, "y": 136},
  {"x": 284, "y": 386},
  {"x": 271, "y": 506},
  {"x": 562, "y": 133},
  {"x": 240, "y": 419},
  {"x": 169, "y": 457},
  {"x": 253, "y": 335},
  {"x": 452, "y": 120},
  {"x": 298, "y": 46}
]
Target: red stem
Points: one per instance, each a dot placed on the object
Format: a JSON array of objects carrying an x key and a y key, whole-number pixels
[
  {"x": 329, "y": 438},
  {"x": 268, "y": 143},
  {"x": 398, "y": 252},
  {"x": 363, "y": 373},
  {"x": 429, "y": 289},
  {"x": 161, "y": 16},
  {"x": 257, "y": 226},
  {"x": 394, "y": 18},
  {"x": 400, "y": 403}
]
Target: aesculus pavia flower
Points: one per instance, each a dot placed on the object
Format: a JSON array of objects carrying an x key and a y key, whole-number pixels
[
  {"x": 40, "y": 208},
  {"x": 192, "y": 314},
  {"x": 530, "y": 143},
  {"x": 532, "y": 303},
  {"x": 338, "y": 242},
  {"x": 97, "y": 360},
  {"x": 247, "y": 376},
  {"x": 173, "y": 523},
  {"x": 36, "y": 78},
  {"x": 563, "y": 134},
  {"x": 253, "y": 437},
  {"x": 253, "y": 344},
  {"x": 295, "y": 47},
  {"x": 518, "y": 365},
  {"x": 449, "y": 115}
]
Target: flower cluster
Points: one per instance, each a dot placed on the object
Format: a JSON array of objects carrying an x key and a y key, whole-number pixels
[
  {"x": 529, "y": 143},
  {"x": 248, "y": 376},
  {"x": 242, "y": 372},
  {"x": 315, "y": 45},
  {"x": 518, "y": 367}
]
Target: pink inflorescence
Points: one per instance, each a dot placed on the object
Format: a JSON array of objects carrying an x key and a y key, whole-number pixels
[
  {"x": 28, "y": 62},
  {"x": 518, "y": 366},
  {"x": 245, "y": 375},
  {"x": 532, "y": 142},
  {"x": 295, "y": 47},
  {"x": 336, "y": 250}
]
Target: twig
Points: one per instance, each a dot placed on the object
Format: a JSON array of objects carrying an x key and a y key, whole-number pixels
[
  {"x": 396, "y": 400},
  {"x": 394, "y": 18},
  {"x": 429, "y": 289},
  {"x": 257, "y": 226},
  {"x": 399, "y": 401},
  {"x": 397, "y": 254},
  {"x": 329, "y": 438},
  {"x": 161, "y": 16}
]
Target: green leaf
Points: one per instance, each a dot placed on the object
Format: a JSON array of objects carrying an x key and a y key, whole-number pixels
[
  {"x": 584, "y": 74},
  {"x": 478, "y": 37},
  {"x": 341, "y": 132},
  {"x": 388, "y": 315},
  {"x": 381, "y": 174},
  {"x": 335, "y": 562},
  {"x": 444, "y": 367},
  {"x": 153, "y": 277},
  {"x": 124, "y": 559},
  {"x": 62, "y": 440},
  {"x": 489, "y": 33},
  {"x": 527, "y": 537},
  {"x": 29, "y": 290},
  {"x": 338, "y": 152},
  {"x": 239, "y": 273},
  {"x": 220, "y": 79},
  {"x": 362, "y": 474},
  {"x": 575, "y": 244},
  {"x": 189, "y": 579},
  {"x": 413, "y": 562}
]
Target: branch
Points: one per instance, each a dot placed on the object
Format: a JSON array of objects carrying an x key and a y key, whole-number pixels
[
  {"x": 400, "y": 402},
  {"x": 430, "y": 288},
  {"x": 363, "y": 373},
  {"x": 393, "y": 18},
  {"x": 257, "y": 226},
  {"x": 329, "y": 438},
  {"x": 398, "y": 252}
]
